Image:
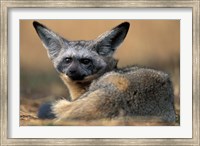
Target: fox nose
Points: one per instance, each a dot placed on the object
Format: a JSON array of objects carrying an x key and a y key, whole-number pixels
[
  {"x": 75, "y": 75},
  {"x": 71, "y": 72}
]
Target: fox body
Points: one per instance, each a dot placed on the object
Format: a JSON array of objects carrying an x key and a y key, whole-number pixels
[{"x": 97, "y": 87}]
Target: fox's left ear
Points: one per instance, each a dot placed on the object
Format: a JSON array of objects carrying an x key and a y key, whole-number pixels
[{"x": 107, "y": 43}]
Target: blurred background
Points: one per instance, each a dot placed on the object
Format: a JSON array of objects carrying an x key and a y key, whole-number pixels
[{"x": 151, "y": 43}]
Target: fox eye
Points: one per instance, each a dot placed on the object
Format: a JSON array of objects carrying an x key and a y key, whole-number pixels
[
  {"x": 85, "y": 61},
  {"x": 68, "y": 60}
]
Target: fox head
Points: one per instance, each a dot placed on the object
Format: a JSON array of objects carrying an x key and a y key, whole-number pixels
[{"x": 82, "y": 61}]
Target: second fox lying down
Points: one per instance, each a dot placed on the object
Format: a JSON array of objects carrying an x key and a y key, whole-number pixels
[{"x": 97, "y": 87}]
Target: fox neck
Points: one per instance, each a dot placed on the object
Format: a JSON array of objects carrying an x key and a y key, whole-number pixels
[{"x": 75, "y": 89}]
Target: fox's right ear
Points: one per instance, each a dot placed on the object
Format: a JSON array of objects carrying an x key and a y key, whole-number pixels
[{"x": 51, "y": 41}]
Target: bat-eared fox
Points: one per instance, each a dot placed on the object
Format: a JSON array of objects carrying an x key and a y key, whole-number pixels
[{"x": 98, "y": 89}]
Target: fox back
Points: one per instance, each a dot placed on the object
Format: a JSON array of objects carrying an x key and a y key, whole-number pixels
[{"x": 97, "y": 87}]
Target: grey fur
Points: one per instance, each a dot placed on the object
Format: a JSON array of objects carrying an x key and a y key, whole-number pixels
[{"x": 150, "y": 93}]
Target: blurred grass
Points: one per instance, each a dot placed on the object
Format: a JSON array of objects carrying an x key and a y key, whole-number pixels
[
  {"x": 40, "y": 84},
  {"x": 152, "y": 43}
]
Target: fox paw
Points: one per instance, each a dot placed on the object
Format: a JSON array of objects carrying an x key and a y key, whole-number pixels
[{"x": 60, "y": 107}]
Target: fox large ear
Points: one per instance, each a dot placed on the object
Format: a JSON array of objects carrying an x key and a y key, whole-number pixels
[
  {"x": 108, "y": 42},
  {"x": 51, "y": 41}
]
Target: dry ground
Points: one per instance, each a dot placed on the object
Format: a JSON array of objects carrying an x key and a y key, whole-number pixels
[{"x": 28, "y": 117}]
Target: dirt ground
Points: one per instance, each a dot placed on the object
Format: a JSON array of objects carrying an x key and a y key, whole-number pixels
[
  {"x": 29, "y": 108},
  {"x": 152, "y": 43}
]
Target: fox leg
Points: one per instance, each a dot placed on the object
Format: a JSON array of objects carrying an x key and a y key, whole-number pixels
[
  {"x": 86, "y": 108},
  {"x": 83, "y": 108}
]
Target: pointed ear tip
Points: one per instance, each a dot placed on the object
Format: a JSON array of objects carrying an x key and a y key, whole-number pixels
[
  {"x": 126, "y": 24},
  {"x": 36, "y": 24}
]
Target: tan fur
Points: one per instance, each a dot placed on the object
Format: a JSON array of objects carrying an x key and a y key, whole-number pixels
[
  {"x": 75, "y": 89},
  {"x": 71, "y": 110},
  {"x": 119, "y": 82},
  {"x": 60, "y": 106}
]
